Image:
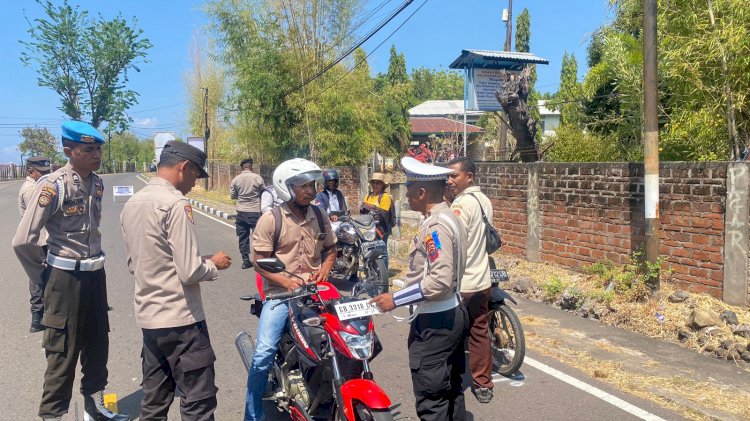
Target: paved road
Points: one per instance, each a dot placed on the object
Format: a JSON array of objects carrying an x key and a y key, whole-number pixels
[{"x": 538, "y": 393}]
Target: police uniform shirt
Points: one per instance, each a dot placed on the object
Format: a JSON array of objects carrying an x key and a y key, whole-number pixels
[
  {"x": 162, "y": 249},
  {"x": 432, "y": 255},
  {"x": 297, "y": 246},
  {"x": 246, "y": 189},
  {"x": 477, "y": 275},
  {"x": 24, "y": 195},
  {"x": 70, "y": 207}
]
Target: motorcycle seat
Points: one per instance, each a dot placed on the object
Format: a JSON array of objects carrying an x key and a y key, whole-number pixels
[{"x": 364, "y": 221}]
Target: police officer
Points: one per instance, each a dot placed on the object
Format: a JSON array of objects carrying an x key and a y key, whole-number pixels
[
  {"x": 246, "y": 189},
  {"x": 436, "y": 335},
  {"x": 68, "y": 203},
  {"x": 37, "y": 166},
  {"x": 157, "y": 223}
]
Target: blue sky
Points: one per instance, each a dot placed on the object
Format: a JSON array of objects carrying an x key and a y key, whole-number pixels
[{"x": 432, "y": 38}]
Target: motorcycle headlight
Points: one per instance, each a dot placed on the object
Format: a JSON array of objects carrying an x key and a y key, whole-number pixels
[
  {"x": 347, "y": 233},
  {"x": 368, "y": 233},
  {"x": 360, "y": 346}
]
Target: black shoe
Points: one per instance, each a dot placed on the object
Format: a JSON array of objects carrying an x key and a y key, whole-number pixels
[
  {"x": 94, "y": 409},
  {"x": 246, "y": 264},
  {"x": 36, "y": 322},
  {"x": 483, "y": 394}
]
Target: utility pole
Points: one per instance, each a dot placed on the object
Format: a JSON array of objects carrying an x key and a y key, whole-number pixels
[
  {"x": 206, "y": 130},
  {"x": 508, "y": 34},
  {"x": 651, "y": 136}
]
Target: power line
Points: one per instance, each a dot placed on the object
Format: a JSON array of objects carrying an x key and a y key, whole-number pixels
[{"x": 346, "y": 53}]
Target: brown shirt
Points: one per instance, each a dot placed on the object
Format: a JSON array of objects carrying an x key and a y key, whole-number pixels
[
  {"x": 432, "y": 261},
  {"x": 298, "y": 245},
  {"x": 162, "y": 249},
  {"x": 246, "y": 189},
  {"x": 24, "y": 198},
  {"x": 70, "y": 208}
]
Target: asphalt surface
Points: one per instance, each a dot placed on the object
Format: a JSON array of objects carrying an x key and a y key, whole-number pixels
[{"x": 532, "y": 394}]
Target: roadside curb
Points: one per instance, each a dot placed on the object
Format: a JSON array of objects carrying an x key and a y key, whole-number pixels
[{"x": 213, "y": 211}]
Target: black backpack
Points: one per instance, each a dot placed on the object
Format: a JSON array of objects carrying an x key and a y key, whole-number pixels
[{"x": 493, "y": 236}]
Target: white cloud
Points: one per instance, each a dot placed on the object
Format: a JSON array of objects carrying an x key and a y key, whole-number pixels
[{"x": 147, "y": 122}]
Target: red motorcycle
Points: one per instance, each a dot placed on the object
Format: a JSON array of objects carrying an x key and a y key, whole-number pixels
[{"x": 322, "y": 368}]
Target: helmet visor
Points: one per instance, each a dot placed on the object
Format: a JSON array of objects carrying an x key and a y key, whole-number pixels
[{"x": 304, "y": 178}]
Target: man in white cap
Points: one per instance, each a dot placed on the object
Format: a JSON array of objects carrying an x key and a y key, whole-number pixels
[{"x": 438, "y": 325}]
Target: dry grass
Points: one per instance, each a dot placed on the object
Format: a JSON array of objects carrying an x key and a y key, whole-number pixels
[
  {"x": 633, "y": 308},
  {"x": 670, "y": 392}
]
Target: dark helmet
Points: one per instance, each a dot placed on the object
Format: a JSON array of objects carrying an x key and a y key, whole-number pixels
[{"x": 331, "y": 174}]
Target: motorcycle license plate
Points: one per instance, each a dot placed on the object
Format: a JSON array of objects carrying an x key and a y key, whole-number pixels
[
  {"x": 370, "y": 245},
  {"x": 498, "y": 275},
  {"x": 354, "y": 309}
]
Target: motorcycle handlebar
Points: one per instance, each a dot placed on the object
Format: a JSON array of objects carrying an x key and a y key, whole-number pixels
[{"x": 284, "y": 295}]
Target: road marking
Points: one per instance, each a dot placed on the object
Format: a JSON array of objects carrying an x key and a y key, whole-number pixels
[{"x": 606, "y": 397}]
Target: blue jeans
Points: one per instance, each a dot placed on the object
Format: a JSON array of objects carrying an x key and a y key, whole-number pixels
[{"x": 270, "y": 329}]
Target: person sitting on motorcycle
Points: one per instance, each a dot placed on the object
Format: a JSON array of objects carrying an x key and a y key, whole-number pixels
[
  {"x": 381, "y": 205},
  {"x": 301, "y": 246},
  {"x": 331, "y": 199}
]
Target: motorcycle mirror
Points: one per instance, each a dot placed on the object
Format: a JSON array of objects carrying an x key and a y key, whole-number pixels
[{"x": 271, "y": 264}]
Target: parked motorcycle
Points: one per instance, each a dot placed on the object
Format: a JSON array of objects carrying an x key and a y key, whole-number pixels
[
  {"x": 361, "y": 254},
  {"x": 322, "y": 364},
  {"x": 506, "y": 334}
]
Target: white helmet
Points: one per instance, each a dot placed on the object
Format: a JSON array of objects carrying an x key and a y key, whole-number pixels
[{"x": 294, "y": 172}]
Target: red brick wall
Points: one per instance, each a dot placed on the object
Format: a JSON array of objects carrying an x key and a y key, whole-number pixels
[{"x": 594, "y": 212}]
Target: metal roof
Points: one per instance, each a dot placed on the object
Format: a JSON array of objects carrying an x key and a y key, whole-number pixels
[
  {"x": 441, "y": 108},
  {"x": 440, "y": 125},
  {"x": 485, "y": 59}
]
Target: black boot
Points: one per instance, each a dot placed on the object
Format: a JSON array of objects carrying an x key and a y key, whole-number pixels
[
  {"x": 36, "y": 322},
  {"x": 246, "y": 263},
  {"x": 94, "y": 409}
]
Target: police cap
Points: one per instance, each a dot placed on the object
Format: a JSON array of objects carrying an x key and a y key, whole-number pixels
[
  {"x": 80, "y": 132},
  {"x": 185, "y": 151},
  {"x": 246, "y": 161},
  {"x": 419, "y": 171},
  {"x": 41, "y": 163}
]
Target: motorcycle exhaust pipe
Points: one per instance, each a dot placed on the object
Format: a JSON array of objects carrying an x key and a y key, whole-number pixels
[{"x": 246, "y": 348}]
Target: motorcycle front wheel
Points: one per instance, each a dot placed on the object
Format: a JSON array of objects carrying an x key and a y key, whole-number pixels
[
  {"x": 377, "y": 273},
  {"x": 363, "y": 413},
  {"x": 507, "y": 340}
]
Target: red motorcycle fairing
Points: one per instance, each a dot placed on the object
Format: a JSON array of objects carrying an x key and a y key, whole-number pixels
[{"x": 366, "y": 391}]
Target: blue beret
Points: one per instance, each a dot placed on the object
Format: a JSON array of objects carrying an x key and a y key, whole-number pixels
[{"x": 80, "y": 132}]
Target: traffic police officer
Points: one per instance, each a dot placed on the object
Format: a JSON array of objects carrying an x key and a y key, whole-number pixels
[
  {"x": 37, "y": 166},
  {"x": 246, "y": 189},
  {"x": 438, "y": 325},
  {"x": 157, "y": 223},
  {"x": 68, "y": 203}
]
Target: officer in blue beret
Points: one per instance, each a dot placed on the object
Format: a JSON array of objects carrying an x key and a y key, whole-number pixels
[{"x": 68, "y": 203}]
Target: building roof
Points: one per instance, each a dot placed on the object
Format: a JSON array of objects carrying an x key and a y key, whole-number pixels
[
  {"x": 543, "y": 110},
  {"x": 438, "y": 125},
  {"x": 485, "y": 59},
  {"x": 441, "y": 108}
]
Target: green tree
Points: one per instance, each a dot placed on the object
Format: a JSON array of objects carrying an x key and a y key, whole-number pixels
[
  {"x": 127, "y": 147},
  {"x": 523, "y": 44},
  {"x": 86, "y": 62},
  {"x": 396, "y": 98},
  {"x": 569, "y": 96},
  {"x": 397, "y": 68},
  {"x": 39, "y": 141},
  {"x": 430, "y": 84}
]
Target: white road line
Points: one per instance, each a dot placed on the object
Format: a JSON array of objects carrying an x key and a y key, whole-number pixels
[
  {"x": 211, "y": 217},
  {"x": 606, "y": 397}
]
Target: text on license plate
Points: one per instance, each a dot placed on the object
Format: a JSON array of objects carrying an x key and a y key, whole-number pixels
[
  {"x": 354, "y": 309},
  {"x": 498, "y": 275}
]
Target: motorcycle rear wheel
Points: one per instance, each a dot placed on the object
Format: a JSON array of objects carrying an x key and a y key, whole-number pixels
[
  {"x": 507, "y": 340},
  {"x": 363, "y": 413},
  {"x": 377, "y": 273}
]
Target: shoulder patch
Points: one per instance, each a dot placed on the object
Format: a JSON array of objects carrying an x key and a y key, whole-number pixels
[
  {"x": 189, "y": 213},
  {"x": 432, "y": 242},
  {"x": 44, "y": 200},
  {"x": 457, "y": 211}
]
